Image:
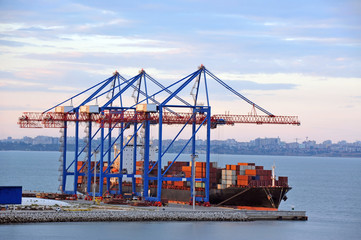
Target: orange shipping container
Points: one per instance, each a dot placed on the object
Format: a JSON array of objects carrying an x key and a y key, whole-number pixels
[
  {"x": 200, "y": 164},
  {"x": 242, "y": 164},
  {"x": 80, "y": 179},
  {"x": 186, "y": 169},
  {"x": 179, "y": 184},
  {"x": 200, "y": 175},
  {"x": 242, "y": 182},
  {"x": 235, "y": 167},
  {"x": 250, "y": 172},
  {"x": 242, "y": 177},
  {"x": 198, "y": 169}
]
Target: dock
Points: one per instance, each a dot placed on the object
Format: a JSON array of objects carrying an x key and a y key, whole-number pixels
[{"x": 124, "y": 213}]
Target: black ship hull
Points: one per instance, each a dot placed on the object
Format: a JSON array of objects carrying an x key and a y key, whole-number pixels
[
  {"x": 258, "y": 198},
  {"x": 253, "y": 197},
  {"x": 241, "y": 197}
]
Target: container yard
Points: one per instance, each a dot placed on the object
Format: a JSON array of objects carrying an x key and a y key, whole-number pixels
[{"x": 125, "y": 163}]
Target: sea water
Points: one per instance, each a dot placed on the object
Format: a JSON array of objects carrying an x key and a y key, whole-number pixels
[{"x": 329, "y": 189}]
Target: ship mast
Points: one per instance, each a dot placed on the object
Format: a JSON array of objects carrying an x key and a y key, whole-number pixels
[{"x": 273, "y": 174}]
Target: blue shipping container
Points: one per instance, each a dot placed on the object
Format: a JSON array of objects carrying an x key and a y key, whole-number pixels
[{"x": 10, "y": 194}]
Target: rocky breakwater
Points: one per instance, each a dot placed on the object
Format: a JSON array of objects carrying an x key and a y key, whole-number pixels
[{"x": 121, "y": 216}]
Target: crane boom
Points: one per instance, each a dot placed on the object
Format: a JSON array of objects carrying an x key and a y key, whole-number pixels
[{"x": 112, "y": 119}]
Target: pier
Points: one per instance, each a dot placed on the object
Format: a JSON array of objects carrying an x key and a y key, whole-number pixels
[{"x": 124, "y": 213}]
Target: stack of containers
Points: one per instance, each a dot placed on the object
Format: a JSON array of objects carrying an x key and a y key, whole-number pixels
[
  {"x": 186, "y": 168},
  {"x": 246, "y": 173},
  {"x": 175, "y": 171},
  {"x": 263, "y": 176},
  {"x": 229, "y": 176},
  {"x": 282, "y": 181},
  {"x": 139, "y": 170},
  {"x": 80, "y": 178},
  {"x": 200, "y": 170},
  {"x": 176, "y": 168}
]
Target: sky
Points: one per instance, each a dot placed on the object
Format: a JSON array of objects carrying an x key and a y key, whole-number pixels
[{"x": 297, "y": 58}]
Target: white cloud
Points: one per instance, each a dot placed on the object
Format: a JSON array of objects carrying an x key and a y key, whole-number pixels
[
  {"x": 11, "y": 82},
  {"x": 116, "y": 21},
  {"x": 6, "y": 27},
  {"x": 10, "y": 27},
  {"x": 63, "y": 88},
  {"x": 339, "y": 41},
  {"x": 88, "y": 44}
]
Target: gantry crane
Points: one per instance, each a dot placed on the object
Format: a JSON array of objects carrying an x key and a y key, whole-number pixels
[{"x": 152, "y": 107}]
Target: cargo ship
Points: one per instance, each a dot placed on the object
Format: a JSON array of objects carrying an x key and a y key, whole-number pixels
[{"x": 241, "y": 185}]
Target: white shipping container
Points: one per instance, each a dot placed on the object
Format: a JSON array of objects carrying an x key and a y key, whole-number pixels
[
  {"x": 146, "y": 108},
  {"x": 231, "y": 177},
  {"x": 89, "y": 109},
  {"x": 230, "y": 172},
  {"x": 231, "y": 182},
  {"x": 151, "y": 108},
  {"x": 141, "y": 108},
  {"x": 64, "y": 109},
  {"x": 93, "y": 109},
  {"x": 243, "y": 167}
]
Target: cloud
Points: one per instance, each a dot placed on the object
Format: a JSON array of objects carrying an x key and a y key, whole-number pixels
[
  {"x": 12, "y": 43},
  {"x": 89, "y": 44},
  {"x": 17, "y": 83},
  {"x": 326, "y": 40},
  {"x": 88, "y": 26},
  {"x": 63, "y": 89}
]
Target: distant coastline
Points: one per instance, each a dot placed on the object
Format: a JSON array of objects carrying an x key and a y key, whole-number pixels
[{"x": 267, "y": 146}]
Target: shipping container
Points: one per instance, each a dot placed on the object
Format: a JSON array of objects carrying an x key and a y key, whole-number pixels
[
  {"x": 250, "y": 172},
  {"x": 89, "y": 109},
  {"x": 64, "y": 109}
]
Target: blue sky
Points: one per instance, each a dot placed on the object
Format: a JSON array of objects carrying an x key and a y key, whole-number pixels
[{"x": 291, "y": 57}]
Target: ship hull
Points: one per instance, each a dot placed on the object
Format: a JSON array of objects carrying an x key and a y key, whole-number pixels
[
  {"x": 262, "y": 198},
  {"x": 265, "y": 198},
  {"x": 254, "y": 197}
]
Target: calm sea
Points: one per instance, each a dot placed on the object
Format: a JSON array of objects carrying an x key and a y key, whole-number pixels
[{"x": 329, "y": 189}]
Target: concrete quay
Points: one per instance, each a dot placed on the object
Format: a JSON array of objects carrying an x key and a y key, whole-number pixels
[{"x": 128, "y": 214}]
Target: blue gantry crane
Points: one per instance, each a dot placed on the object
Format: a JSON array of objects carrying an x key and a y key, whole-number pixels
[{"x": 110, "y": 120}]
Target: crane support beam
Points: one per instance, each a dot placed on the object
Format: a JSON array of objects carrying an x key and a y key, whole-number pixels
[{"x": 113, "y": 118}]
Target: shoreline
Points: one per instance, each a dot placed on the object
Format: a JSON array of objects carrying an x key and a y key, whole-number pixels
[{"x": 320, "y": 155}]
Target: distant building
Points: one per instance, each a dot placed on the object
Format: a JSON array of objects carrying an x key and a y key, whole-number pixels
[
  {"x": 42, "y": 140},
  {"x": 267, "y": 142}
]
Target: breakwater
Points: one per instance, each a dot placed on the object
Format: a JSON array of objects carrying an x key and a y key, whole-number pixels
[
  {"x": 129, "y": 216},
  {"x": 125, "y": 216}
]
